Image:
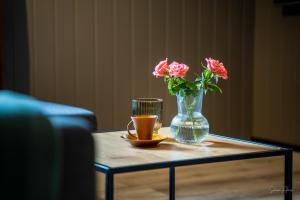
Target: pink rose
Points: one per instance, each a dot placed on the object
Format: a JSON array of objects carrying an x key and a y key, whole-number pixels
[
  {"x": 216, "y": 67},
  {"x": 178, "y": 70},
  {"x": 162, "y": 68}
]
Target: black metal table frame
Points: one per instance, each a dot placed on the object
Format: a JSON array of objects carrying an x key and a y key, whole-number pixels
[{"x": 279, "y": 151}]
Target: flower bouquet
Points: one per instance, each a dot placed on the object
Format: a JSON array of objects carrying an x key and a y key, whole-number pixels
[{"x": 189, "y": 125}]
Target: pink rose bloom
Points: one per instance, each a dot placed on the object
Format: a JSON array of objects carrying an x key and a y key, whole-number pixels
[
  {"x": 178, "y": 70},
  {"x": 216, "y": 67},
  {"x": 161, "y": 68}
]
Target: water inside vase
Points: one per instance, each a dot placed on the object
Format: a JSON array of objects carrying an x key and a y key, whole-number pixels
[{"x": 189, "y": 132}]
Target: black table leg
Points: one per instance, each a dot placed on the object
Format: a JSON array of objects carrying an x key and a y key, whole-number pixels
[
  {"x": 172, "y": 183},
  {"x": 109, "y": 186},
  {"x": 288, "y": 175}
]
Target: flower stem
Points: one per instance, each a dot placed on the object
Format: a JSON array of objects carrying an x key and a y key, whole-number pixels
[{"x": 190, "y": 111}]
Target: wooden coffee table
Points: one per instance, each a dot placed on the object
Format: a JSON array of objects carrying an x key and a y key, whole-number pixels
[{"x": 115, "y": 155}]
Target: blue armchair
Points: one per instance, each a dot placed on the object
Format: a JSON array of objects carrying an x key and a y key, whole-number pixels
[{"x": 47, "y": 150}]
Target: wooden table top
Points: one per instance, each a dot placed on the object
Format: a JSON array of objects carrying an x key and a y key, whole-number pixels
[{"x": 113, "y": 151}]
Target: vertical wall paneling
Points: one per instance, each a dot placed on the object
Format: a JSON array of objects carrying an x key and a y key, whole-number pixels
[
  {"x": 220, "y": 105},
  {"x": 84, "y": 55},
  {"x": 213, "y": 43},
  {"x": 122, "y": 75},
  {"x": 229, "y": 61},
  {"x": 55, "y": 52},
  {"x": 158, "y": 48},
  {"x": 150, "y": 64},
  {"x": 66, "y": 62},
  {"x": 247, "y": 77},
  {"x": 235, "y": 65},
  {"x": 276, "y": 49},
  {"x": 259, "y": 85},
  {"x": 43, "y": 57},
  {"x": 133, "y": 48},
  {"x": 96, "y": 58},
  {"x": 206, "y": 48},
  {"x": 183, "y": 36},
  {"x": 190, "y": 53},
  {"x": 295, "y": 85},
  {"x": 30, "y": 11},
  {"x": 105, "y": 63},
  {"x": 174, "y": 45},
  {"x": 99, "y": 54},
  {"x": 141, "y": 48}
]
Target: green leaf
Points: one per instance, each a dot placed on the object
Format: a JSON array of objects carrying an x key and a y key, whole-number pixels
[
  {"x": 206, "y": 74},
  {"x": 191, "y": 85},
  {"x": 180, "y": 81},
  {"x": 213, "y": 88},
  {"x": 170, "y": 86},
  {"x": 198, "y": 79}
]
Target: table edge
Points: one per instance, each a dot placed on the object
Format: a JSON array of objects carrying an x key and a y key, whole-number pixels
[{"x": 194, "y": 161}]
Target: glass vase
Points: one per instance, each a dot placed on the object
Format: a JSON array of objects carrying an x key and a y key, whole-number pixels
[{"x": 189, "y": 126}]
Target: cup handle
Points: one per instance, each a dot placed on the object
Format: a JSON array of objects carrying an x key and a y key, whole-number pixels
[{"x": 129, "y": 133}]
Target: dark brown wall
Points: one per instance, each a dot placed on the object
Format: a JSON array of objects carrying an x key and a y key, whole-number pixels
[
  {"x": 1, "y": 44},
  {"x": 99, "y": 54},
  {"x": 15, "y": 56},
  {"x": 276, "y": 74}
]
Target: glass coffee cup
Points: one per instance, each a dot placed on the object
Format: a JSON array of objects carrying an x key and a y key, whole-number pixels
[{"x": 148, "y": 106}]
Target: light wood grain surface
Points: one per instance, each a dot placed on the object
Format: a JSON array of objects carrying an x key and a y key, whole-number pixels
[{"x": 113, "y": 151}]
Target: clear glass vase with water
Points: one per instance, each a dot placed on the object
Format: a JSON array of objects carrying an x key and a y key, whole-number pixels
[{"x": 189, "y": 126}]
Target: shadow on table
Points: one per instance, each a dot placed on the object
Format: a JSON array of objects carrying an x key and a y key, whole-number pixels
[
  {"x": 226, "y": 145},
  {"x": 171, "y": 144}
]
